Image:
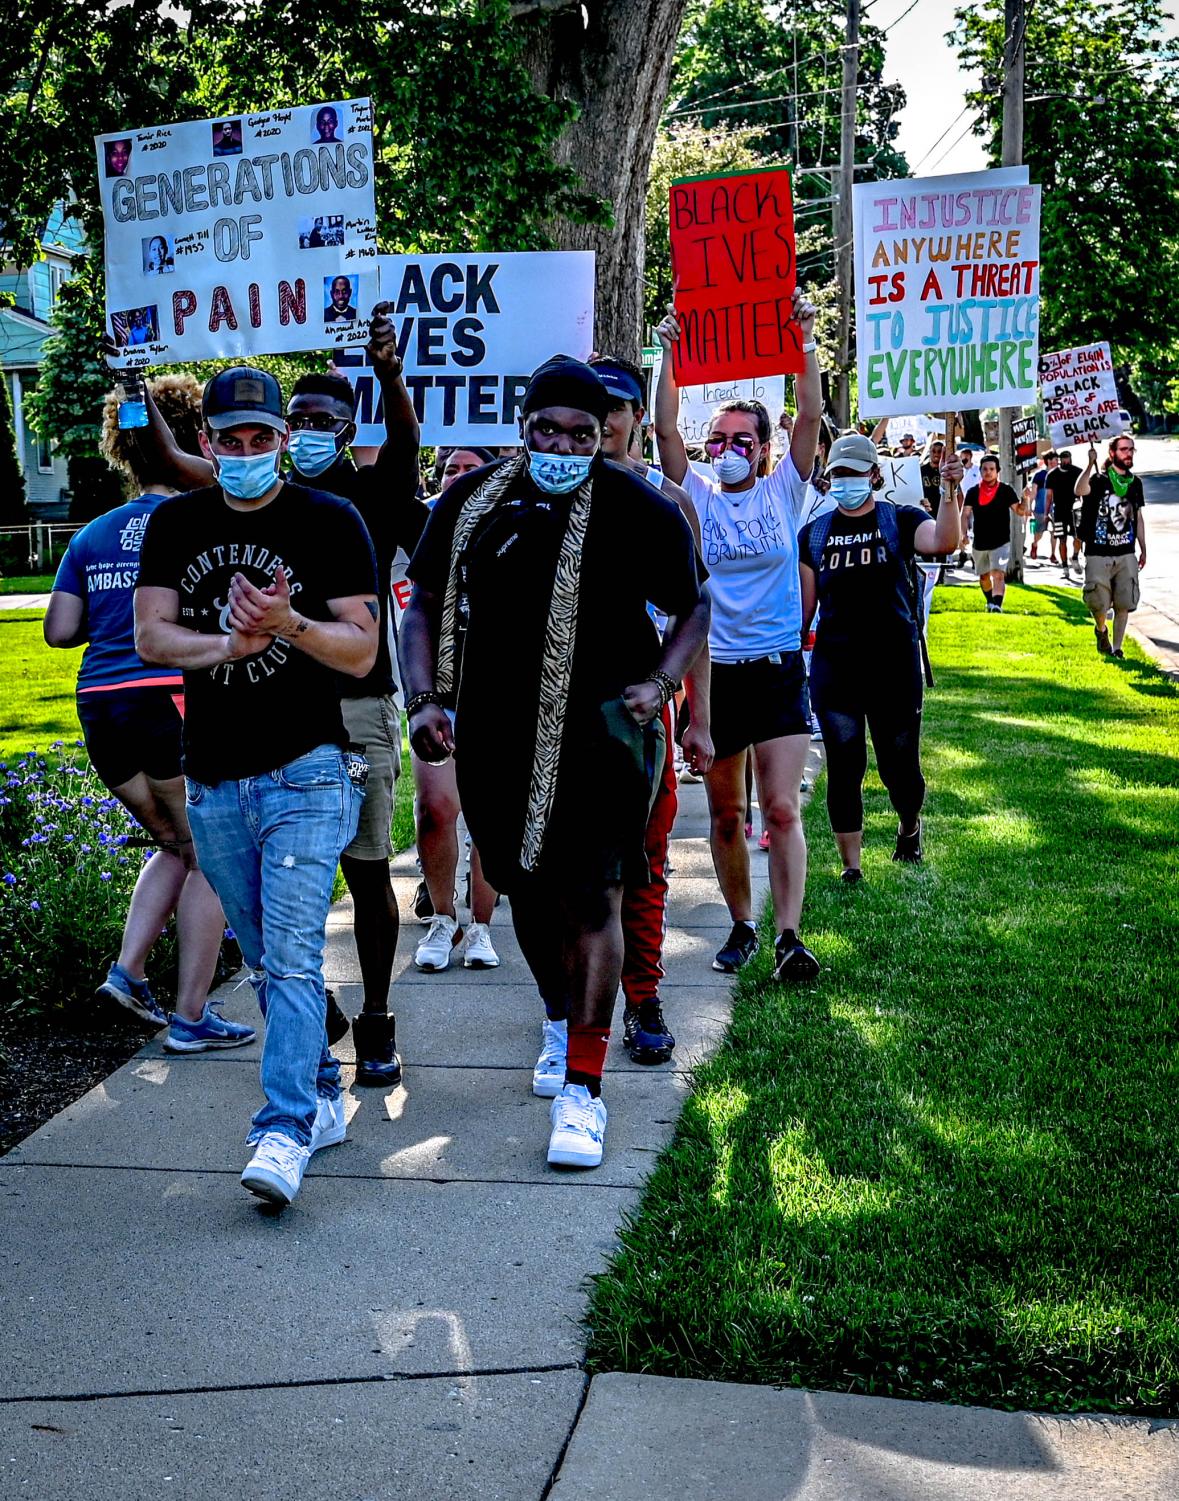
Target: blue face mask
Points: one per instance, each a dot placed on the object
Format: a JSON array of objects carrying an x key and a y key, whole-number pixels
[
  {"x": 850, "y": 491},
  {"x": 248, "y": 478},
  {"x": 312, "y": 452},
  {"x": 558, "y": 473}
]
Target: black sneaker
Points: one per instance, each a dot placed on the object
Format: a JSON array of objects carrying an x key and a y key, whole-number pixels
[
  {"x": 423, "y": 907},
  {"x": 1119, "y": 653},
  {"x": 336, "y": 1024},
  {"x": 908, "y": 850},
  {"x": 741, "y": 946},
  {"x": 852, "y": 876},
  {"x": 376, "y": 1051},
  {"x": 645, "y": 1035},
  {"x": 794, "y": 962}
]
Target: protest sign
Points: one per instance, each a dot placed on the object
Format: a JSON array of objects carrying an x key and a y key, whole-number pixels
[
  {"x": 733, "y": 270},
  {"x": 947, "y": 274},
  {"x": 921, "y": 427},
  {"x": 1023, "y": 435},
  {"x": 902, "y": 481},
  {"x": 1080, "y": 395},
  {"x": 244, "y": 235},
  {"x": 698, "y": 403},
  {"x": 471, "y": 329}
]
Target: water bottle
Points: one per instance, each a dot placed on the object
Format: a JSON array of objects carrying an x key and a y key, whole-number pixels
[{"x": 132, "y": 395}]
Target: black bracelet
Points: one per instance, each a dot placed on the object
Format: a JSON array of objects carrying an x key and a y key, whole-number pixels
[
  {"x": 420, "y": 700},
  {"x": 667, "y": 685}
]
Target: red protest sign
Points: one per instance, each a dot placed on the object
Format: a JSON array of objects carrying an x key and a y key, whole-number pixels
[{"x": 733, "y": 268}]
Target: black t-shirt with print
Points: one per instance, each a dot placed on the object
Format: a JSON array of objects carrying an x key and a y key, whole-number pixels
[
  {"x": 992, "y": 525},
  {"x": 931, "y": 487},
  {"x": 1062, "y": 485},
  {"x": 252, "y": 715},
  {"x": 1109, "y": 521},
  {"x": 864, "y": 595}
]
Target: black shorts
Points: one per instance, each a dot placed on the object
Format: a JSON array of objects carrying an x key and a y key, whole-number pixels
[
  {"x": 132, "y": 730},
  {"x": 752, "y": 702}
]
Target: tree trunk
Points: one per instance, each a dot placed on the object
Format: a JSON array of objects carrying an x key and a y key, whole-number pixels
[{"x": 616, "y": 70}]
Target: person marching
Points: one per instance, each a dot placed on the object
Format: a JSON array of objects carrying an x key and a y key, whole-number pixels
[
  {"x": 988, "y": 505},
  {"x": 529, "y": 620},
  {"x": 854, "y": 563},
  {"x": 759, "y": 699},
  {"x": 1112, "y": 522}
]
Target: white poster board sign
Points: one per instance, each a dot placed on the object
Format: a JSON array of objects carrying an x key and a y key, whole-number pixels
[
  {"x": 1081, "y": 402},
  {"x": 902, "y": 481},
  {"x": 947, "y": 277},
  {"x": 248, "y": 234},
  {"x": 920, "y": 427},
  {"x": 471, "y": 329},
  {"x": 698, "y": 403}
]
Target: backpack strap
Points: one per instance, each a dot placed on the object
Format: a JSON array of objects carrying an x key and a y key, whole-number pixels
[{"x": 886, "y": 518}]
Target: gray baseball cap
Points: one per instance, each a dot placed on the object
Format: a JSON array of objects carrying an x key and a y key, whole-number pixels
[{"x": 853, "y": 451}]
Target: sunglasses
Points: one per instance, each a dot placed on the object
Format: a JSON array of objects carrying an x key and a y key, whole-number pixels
[
  {"x": 317, "y": 423},
  {"x": 714, "y": 447}
]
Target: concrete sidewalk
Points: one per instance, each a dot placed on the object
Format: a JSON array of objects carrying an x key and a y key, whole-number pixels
[{"x": 410, "y": 1327}]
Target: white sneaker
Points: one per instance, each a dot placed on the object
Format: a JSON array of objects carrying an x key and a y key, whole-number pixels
[
  {"x": 275, "y": 1171},
  {"x": 548, "y": 1077},
  {"x": 329, "y": 1127},
  {"x": 477, "y": 950},
  {"x": 687, "y": 777},
  {"x": 579, "y": 1126},
  {"x": 433, "y": 953}
]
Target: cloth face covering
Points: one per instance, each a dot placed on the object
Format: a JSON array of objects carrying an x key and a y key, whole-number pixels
[
  {"x": 559, "y": 473},
  {"x": 247, "y": 478}
]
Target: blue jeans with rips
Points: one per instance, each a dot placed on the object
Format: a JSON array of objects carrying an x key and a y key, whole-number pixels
[{"x": 269, "y": 846}]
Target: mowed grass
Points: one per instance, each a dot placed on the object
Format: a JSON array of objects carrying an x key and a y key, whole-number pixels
[
  {"x": 26, "y": 583},
  {"x": 37, "y": 703},
  {"x": 948, "y": 1169}
]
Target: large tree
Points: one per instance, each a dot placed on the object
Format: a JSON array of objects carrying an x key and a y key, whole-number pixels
[{"x": 1101, "y": 129}]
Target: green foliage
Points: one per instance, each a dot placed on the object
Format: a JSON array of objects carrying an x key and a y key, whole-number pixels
[
  {"x": 1101, "y": 121},
  {"x": 13, "y": 511},
  {"x": 945, "y": 1171}
]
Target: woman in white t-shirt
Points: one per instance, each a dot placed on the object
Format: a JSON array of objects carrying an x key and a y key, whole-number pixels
[{"x": 749, "y": 525}]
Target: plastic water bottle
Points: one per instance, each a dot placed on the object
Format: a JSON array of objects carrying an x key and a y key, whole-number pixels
[{"x": 132, "y": 396}]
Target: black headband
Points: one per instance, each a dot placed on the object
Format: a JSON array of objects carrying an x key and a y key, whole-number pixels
[{"x": 565, "y": 382}]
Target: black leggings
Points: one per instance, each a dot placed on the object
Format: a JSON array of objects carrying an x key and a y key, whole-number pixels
[{"x": 896, "y": 739}]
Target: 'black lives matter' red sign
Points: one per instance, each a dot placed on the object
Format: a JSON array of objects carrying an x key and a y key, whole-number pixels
[{"x": 733, "y": 266}]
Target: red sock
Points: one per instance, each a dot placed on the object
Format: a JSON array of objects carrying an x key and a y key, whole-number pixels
[{"x": 586, "y": 1057}]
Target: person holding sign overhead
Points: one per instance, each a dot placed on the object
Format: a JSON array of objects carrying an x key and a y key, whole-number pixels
[{"x": 758, "y": 694}]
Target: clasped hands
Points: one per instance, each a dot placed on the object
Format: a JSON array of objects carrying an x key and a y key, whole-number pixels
[{"x": 257, "y": 616}]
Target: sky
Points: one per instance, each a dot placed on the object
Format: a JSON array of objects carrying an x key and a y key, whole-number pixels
[{"x": 918, "y": 57}]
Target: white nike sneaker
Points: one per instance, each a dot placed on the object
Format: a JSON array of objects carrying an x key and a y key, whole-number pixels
[
  {"x": 329, "y": 1127},
  {"x": 275, "y": 1171},
  {"x": 579, "y": 1128},
  {"x": 443, "y": 934},
  {"x": 477, "y": 950},
  {"x": 548, "y": 1077}
]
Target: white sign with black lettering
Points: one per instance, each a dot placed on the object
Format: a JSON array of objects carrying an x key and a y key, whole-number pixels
[{"x": 244, "y": 235}]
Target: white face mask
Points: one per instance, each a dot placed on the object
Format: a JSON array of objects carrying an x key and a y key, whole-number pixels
[{"x": 731, "y": 467}]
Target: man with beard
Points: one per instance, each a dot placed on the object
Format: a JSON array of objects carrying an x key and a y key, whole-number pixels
[
  {"x": 1112, "y": 523},
  {"x": 529, "y": 622}
]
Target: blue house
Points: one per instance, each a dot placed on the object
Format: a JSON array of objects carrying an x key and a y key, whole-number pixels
[{"x": 23, "y": 332}]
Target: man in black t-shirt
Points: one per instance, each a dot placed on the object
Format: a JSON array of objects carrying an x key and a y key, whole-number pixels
[
  {"x": 264, "y": 592},
  {"x": 1112, "y": 523},
  {"x": 989, "y": 504},
  {"x": 529, "y": 620},
  {"x": 1062, "y": 492}
]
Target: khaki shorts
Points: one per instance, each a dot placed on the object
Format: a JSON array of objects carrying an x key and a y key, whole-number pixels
[
  {"x": 375, "y": 724},
  {"x": 1111, "y": 581},
  {"x": 991, "y": 559}
]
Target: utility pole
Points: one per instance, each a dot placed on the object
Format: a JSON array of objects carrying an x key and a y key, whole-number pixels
[
  {"x": 843, "y": 211},
  {"x": 1015, "y": 19}
]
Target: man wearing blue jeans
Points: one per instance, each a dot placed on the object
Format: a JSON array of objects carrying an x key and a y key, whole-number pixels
[{"x": 264, "y": 591}]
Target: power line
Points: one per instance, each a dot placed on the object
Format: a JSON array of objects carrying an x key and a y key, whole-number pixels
[
  {"x": 952, "y": 146},
  {"x": 886, "y": 29},
  {"x": 942, "y": 137}
]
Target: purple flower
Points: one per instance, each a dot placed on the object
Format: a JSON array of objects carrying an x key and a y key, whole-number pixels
[
  {"x": 104, "y": 875},
  {"x": 229, "y": 933},
  {"x": 9, "y": 879},
  {"x": 81, "y": 744},
  {"x": 87, "y": 802},
  {"x": 85, "y": 848},
  {"x": 35, "y": 906}
]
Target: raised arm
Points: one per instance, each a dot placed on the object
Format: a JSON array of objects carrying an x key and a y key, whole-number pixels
[
  {"x": 808, "y": 393},
  {"x": 1081, "y": 488},
  {"x": 673, "y": 456}
]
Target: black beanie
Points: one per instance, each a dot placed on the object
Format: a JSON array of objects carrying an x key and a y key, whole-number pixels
[{"x": 566, "y": 382}]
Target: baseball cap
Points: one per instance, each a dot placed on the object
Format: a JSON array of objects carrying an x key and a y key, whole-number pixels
[
  {"x": 853, "y": 451},
  {"x": 242, "y": 395},
  {"x": 619, "y": 382}
]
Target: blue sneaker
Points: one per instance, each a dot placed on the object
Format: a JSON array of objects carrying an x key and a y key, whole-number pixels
[
  {"x": 135, "y": 995},
  {"x": 212, "y": 1031}
]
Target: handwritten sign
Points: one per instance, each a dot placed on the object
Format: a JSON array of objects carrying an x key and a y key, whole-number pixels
[
  {"x": 471, "y": 329},
  {"x": 248, "y": 234},
  {"x": 1080, "y": 395},
  {"x": 698, "y": 403},
  {"x": 947, "y": 274},
  {"x": 733, "y": 270},
  {"x": 902, "y": 481}
]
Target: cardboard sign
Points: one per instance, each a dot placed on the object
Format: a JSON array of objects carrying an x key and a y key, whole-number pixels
[
  {"x": 1080, "y": 396},
  {"x": 947, "y": 274},
  {"x": 244, "y": 235},
  {"x": 1024, "y": 436},
  {"x": 471, "y": 329},
  {"x": 902, "y": 481},
  {"x": 698, "y": 403},
  {"x": 733, "y": 269}
]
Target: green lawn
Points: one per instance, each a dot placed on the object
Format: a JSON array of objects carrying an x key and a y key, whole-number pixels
[
  {"x": 27, "y": 583},
  {"x": 37, "y": 703},
  {"x": 948, "y": 1169}
]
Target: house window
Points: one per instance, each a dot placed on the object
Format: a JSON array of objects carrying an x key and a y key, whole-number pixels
[
  {"x": 44, "y": 455},
  {"x": 57, "y": 275}
]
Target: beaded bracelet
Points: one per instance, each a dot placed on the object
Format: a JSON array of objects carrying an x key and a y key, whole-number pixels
[
  {"x": 667, "y": 685},
  {"x": 420, "y": 700}
]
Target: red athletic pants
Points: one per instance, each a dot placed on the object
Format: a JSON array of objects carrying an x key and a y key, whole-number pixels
[{"x": 644, "y": 907}]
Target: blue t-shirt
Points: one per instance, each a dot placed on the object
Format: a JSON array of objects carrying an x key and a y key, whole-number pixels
[{"x": 100, "y": 566}]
